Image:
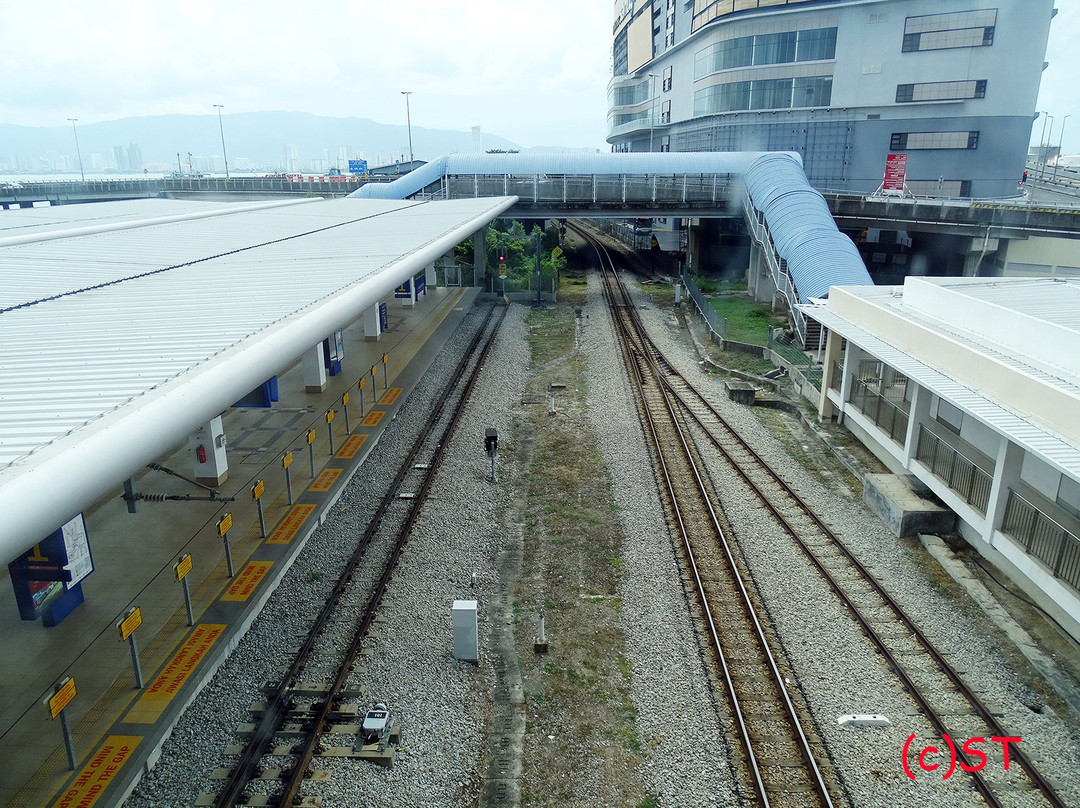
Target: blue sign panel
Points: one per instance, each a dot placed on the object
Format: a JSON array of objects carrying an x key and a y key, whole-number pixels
[{"x": 358, "y": 166}]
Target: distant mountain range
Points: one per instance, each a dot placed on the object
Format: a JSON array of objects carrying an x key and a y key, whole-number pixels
[{"x": 258, "y": 140}]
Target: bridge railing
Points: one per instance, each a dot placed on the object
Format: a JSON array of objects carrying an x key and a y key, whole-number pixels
[
  {"x": 621, "y": 189},
  {"x": 782, "y": 280}
]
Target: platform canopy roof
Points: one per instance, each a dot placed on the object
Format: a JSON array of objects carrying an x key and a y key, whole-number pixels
[{"x": 124, "y": 331}]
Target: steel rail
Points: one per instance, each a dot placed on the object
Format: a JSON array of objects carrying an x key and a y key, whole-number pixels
[
  {"x": 917, "y": 693},
  {"x": 636, "y": 357},
  {"x": 280, "y": 700}
]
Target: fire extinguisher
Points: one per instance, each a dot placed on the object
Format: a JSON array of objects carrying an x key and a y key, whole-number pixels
[{"x": 200, "y": 453}]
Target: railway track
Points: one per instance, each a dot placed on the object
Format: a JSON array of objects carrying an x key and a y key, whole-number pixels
[
  {"x": 939, "y": 691},
  {"x": 780, "y": 756},
  {"x": 311, "y": 710}
]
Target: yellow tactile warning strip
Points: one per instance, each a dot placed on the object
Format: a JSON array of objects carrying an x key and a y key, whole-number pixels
[
  {"x": 98, "y": 772},
  {"x": 325, "y": 481},
  {"x": 351, "y": 447},
  {"x": 244, "y": 584},
  {"x": 161, "y": 691},
  {"x": 373, "y": 418},
  {"x": 291, "y": 524},
  {"x": 390, "y": 396}
]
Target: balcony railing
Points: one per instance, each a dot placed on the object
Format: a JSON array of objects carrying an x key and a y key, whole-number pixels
[
  {"x": 837, "y": 377},
  {"x": 888, "y": 416},
  {"x": 1043, "y": 538},
  {"x": 954, "y": 469}
]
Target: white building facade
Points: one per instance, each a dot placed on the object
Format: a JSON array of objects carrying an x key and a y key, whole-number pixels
[
  {"x": 950, "y": 83},
  {"x": 972, "y": 387}
]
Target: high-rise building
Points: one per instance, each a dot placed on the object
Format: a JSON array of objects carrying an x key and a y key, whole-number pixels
[{"x": 950, "y": 83}]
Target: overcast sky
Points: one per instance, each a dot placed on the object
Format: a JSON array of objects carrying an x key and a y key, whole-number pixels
[{"x": 533, "y": 72}]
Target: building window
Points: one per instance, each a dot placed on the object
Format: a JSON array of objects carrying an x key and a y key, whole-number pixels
[
  {"x": 960, "y": 29},
  {"x": 913, "y": 141},
  {"x": 620, "y": 55},
  {"x": 766, "y": 49},
  {"x": 665, "y": 112},
  {"x": 940, "y": 91},
  {"x": 632, "y": 94},
  {"x": 738, "y": 96},
  {"x": 667, "y": 79}
]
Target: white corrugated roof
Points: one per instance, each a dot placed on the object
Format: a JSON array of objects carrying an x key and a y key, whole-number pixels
[
  {"x": 134, "y": 338},
  {"x": 1050, "y": 446}
]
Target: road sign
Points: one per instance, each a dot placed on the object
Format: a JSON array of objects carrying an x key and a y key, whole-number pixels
[
  {"x": 556, "y": 252},
  {"x": 502, "y": 268},
  {"x": 131, "y": 621},
  {"x": 358, "y": 166},
  {"x": 65, "y": 692}
]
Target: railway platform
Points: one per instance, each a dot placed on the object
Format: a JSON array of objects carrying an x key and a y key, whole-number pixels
[{"x": 118, "y": 716}]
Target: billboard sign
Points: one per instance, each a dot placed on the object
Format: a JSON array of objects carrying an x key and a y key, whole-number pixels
[{"x": 895, "y": 173}]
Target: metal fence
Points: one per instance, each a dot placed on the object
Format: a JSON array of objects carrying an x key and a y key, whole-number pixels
[
  {"x": 717, "y": 325},
  {"x": 892, "y": 419},
  {"x": 1043, "y": 538},
  {"x": 792, "y": 354},
  {"x": 954, "y": 469}
]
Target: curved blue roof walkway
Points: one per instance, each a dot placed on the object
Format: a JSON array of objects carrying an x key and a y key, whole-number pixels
[{"x": 806, "y": 251}]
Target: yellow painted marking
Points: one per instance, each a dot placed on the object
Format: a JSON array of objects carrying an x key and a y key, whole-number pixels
[
  {"x": 244, "y": 583},
  {"x": 373, "y": 417},
  {"x": 59, "y": 700},
  {"x": 156, "y": 698},
  {"x": 390, "y": 396},
  {"x": 325, "y": 480},
  {"x": 128, "y": 625},
  {"x": 290, "y": 525},
  {"x": 99, "y": 771},
  {"x": 351, "y": 447}
]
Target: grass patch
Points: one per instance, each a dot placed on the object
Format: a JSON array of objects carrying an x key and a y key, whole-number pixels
[
  {"x": 571, "y": 571},
  {"x": 747, "y": 320}
]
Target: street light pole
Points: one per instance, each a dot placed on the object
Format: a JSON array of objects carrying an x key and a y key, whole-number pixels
[
  {"x": 222, "y": 130},
  {"x": 1042, "y": 139},
  {"x": 408, "y": 120},
  {"x": 1061, "y": 140},
  {"x": 652, "y": 108},
  {"x": 78, "y": 151}
]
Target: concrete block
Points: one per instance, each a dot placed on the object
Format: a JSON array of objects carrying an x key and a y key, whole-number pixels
[{"x": 902, "y": 510}]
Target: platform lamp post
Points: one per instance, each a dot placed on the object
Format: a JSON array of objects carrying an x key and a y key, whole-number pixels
[
  {"x": 1061, "y": 140},
  {"x": 408, "y": 122},
  {"x": 78, "y": 151},
  {"x": 652, "y": 108},
  {"x": 221, "y": 129}
]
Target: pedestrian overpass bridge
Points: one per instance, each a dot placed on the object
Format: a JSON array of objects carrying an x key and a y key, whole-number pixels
[{"x": 798, "y": 251}]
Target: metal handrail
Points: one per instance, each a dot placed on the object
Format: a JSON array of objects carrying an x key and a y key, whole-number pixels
[
  {"x": 953, "y": 468},
  {"x": 1043, "y": 537}
]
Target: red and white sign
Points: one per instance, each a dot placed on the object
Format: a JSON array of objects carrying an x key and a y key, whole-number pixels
[{"x": 895, "y": 173}]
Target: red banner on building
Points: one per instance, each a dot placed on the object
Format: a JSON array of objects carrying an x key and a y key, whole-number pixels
[{"x": 895, "y": 172}]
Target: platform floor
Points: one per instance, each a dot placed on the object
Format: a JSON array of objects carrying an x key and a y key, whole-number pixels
[{"x": 116, "y": 726}]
